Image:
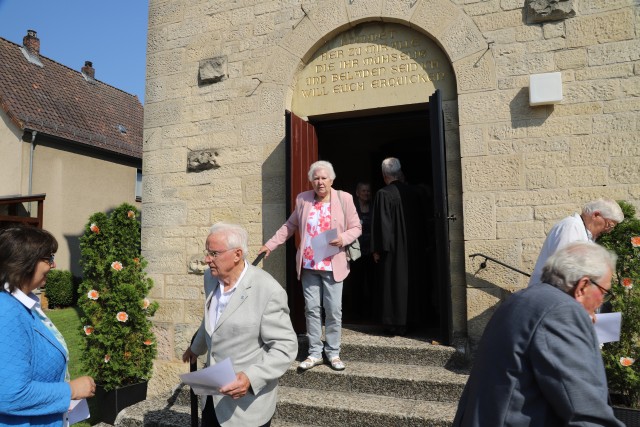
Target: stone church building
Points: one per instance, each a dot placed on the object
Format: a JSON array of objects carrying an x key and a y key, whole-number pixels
[{"x": 513, "y": 112}]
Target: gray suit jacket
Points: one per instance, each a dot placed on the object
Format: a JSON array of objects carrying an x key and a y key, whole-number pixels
[
  {"x": 538, "y": 364},
  {"x": 255, "y": 331}
]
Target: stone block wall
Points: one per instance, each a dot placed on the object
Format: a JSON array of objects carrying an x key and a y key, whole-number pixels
[{"x": 220, "y": 75}]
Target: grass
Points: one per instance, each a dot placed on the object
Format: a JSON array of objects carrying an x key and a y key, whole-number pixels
[{"x": 67, "y": 320}]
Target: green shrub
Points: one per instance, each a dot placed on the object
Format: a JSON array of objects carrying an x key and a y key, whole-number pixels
[
  {"x": 60, "y": 289},
  {"x": 622, "y": 358},
  {"x": 119, "y": 342}
]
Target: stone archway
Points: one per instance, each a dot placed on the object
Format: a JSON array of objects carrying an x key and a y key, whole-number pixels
[{"x": 458, "y": 37}]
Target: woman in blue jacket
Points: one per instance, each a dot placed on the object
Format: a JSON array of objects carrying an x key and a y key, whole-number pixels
[{"x": 35, "y": 388}]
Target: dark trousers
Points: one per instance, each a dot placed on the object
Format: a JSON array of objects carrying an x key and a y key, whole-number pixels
[{"x": 209, "y": 418}]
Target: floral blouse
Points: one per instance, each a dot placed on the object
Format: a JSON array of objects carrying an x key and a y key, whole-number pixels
[{"x": 319, "y": 221}]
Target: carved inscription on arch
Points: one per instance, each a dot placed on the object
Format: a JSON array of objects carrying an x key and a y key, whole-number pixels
[{"x": 371, "y": 66}]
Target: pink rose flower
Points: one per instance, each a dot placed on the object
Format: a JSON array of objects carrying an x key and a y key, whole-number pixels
[{"x": 626, "y": 361}]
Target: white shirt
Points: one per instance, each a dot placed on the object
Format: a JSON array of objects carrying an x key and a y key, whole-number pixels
[
  {"x": 220, "y": 299},
  {"x": 569, "y": 230}
]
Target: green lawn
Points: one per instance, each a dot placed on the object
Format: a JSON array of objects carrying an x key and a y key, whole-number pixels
[{"x": 67, "y": 320}]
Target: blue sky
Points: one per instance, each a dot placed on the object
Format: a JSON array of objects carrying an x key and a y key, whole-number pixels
[{"x": 110, "y": 33}]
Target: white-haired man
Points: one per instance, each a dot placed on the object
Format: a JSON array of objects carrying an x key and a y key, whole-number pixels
[
  {"x": 538, "y": 362},
  {"x": 597, "y": 217},
  {"x": 400, "y": 245},
  {"x": 246, "y": 318}
]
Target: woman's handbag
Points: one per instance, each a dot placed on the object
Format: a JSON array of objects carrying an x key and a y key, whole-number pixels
[{"x": 353, "y": 249}]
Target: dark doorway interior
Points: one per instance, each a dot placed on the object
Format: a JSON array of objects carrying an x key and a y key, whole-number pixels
[{"x": 356, "y": 148}]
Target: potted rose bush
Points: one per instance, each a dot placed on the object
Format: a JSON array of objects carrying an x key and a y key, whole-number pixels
[
  {"x": 622, "y": 358},
  {"x": 119, "y": 342}
]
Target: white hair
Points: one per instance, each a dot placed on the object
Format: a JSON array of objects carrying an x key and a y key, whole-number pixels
[
  {"x": 391, "y": 168},
  {"x": 321, "y": 164},
  {"x": 568, "y": 265},
  {"x": 608, "y": 208},
  {"x": 235, "y": 236}
]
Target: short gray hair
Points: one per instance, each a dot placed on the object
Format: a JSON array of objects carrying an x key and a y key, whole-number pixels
[
  {"x": 321, "y": 164},
  {"x": 568, "y": 265},
  {"x": 608, "y": 208},
  {"x": 235, "y": 235},
  {"x": 391, "y": 168}
]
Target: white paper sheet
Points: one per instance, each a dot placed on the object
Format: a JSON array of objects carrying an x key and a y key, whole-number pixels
[
  {"x": 79, "y": 411},
  {"x": 321, "y": 247},
  {"x": 207, "y": 381},
  {"x": 608, "y": 327}
]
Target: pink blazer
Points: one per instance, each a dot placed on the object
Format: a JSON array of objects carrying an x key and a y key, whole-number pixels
[{"x": 298, "y": 222}]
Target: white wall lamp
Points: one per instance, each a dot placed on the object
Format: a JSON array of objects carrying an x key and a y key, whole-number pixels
[{"x": 545, "y": 89}]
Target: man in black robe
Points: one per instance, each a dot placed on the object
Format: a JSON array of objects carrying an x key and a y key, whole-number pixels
[{"x": 399, "y": 246}]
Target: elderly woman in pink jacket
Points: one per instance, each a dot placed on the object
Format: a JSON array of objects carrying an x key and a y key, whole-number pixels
[{"x": 316, "y": 211}]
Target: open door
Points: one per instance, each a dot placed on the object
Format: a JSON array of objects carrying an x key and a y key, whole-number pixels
[
  {"x": 302, "y": 151},
  {"x": 441, "y": 214}
]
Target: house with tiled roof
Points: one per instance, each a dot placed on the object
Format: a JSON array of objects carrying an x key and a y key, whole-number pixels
[{"x": 68, "y": 141}]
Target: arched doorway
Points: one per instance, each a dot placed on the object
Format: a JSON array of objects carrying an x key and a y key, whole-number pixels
[
  {"x": 420, "y": 147},
  {"x": 366, "y": 95}
]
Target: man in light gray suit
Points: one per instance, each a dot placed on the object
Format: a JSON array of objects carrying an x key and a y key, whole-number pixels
[
  {"x": 246, "y": 318},
  {"x": 539, "y": 362}
]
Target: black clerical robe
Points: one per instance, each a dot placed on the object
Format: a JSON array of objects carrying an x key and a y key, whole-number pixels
[{"x": 399, "y": 237}]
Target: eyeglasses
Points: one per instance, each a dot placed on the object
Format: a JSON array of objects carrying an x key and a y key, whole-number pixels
[
  {"x": 215, "y": 254},
  {"x": 609, "y": 224},
  {"x": 606, "y": 294},
  {"x": 49, "y": 260}
]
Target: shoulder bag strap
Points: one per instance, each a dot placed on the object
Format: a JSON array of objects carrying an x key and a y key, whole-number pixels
[{"x": 344, "y": 211}]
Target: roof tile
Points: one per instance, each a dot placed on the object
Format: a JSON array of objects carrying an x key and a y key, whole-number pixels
[{"x": 58, "y": 101}]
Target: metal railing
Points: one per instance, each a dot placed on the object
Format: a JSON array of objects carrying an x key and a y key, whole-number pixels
[{"x": 483, "y": 264}]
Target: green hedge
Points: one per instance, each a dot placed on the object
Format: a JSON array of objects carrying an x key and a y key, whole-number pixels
[{"x": 61, "y": 289}]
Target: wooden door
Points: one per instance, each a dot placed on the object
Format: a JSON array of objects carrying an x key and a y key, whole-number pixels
[
  {"x": 302, "y": 151},
  {"x": 441, "y": 211}
]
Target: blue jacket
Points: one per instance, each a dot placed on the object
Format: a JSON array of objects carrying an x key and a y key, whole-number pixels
[{"x": 32, "y": 369}]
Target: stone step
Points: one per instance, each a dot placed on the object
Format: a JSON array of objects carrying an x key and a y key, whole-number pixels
[
  {"x": 388, "y": 379},
  {"x": 283, "y": 423},
  {"x": 157, "y": 412},
  {"x": 345, "y": 409},
  {"x": 368, "y": 343}
]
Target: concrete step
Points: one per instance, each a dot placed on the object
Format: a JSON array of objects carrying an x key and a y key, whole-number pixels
[
  {"x": 307, "y": 406},
  {"x": 370, "y": 344},
  {"x": 156, "y": 412},
  {"x": 280, "y": 423},
  {"x": 387, "y": 379}
]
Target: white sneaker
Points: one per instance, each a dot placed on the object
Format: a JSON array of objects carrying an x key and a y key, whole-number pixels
[
  {"x": 337, "y": 364},
  {"x": 309, "y": 363}
]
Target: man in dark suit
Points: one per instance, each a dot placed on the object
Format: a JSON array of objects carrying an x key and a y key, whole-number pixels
[
  {"x": 246, "y": 318},
  {"x": 539, "y": 362}
]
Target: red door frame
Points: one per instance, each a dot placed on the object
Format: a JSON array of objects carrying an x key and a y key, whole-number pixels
[{"x": 302, "y": 151}]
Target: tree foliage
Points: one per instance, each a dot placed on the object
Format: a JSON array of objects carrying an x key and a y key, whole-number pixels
[
  {"x": 119, "y": 342},
  {"x": 61, "y": 289},
  {"x": 622, "y": 358}
]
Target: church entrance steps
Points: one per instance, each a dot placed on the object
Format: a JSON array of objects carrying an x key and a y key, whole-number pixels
[
  {"x": 347, "y": 409},
  {"x": 389, "y": 381}
]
